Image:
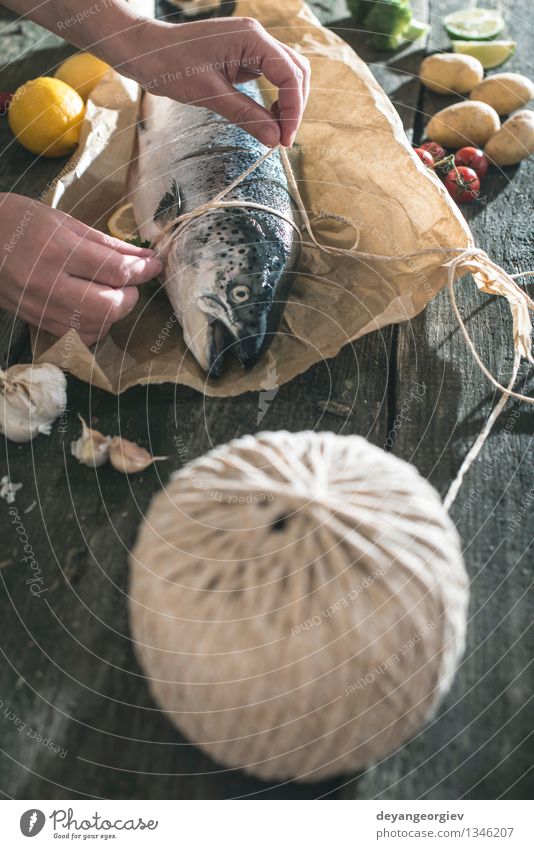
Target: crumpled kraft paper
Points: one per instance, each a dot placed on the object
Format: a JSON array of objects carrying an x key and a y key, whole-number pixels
[{"x": 354, "y": 161}]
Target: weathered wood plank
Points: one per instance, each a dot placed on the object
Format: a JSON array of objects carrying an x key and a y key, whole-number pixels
[
  {"x": 480, "y": 745},
  {"x": 69, "y": 671},
  {"x": 71, "y": 644}
]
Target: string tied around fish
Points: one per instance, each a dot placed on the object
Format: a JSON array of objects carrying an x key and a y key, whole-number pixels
[{"x": 488, "y": 275}]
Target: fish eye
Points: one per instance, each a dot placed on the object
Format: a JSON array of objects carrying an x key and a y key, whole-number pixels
[{"x": 240, "y": 294}]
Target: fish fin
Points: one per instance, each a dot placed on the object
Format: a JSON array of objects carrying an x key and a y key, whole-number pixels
[{"x": 169, "y": 205}]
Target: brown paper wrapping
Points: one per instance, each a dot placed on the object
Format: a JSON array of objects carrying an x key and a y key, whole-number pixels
[{"x": 354, "y": 161}]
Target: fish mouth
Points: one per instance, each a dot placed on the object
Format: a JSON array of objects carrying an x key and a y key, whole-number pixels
[
  {"x": 212, "y": 331},
  {"x": 245, "y": 347},
  {"x": 210, "y": 338}
]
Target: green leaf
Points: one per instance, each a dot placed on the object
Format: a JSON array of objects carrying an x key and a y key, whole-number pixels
[{"x": 139, "y": 243}]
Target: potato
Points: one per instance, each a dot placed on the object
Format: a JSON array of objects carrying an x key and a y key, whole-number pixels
[
  {"x": 514, "y": 141},
  {"x": 464, "y": 123},
  {"x": 505, "y": 92},
  {"x": 450, "y": 72}
]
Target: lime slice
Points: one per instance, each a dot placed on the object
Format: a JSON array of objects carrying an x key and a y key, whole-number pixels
[
  {"x": 490, "y": 53},
  {"x": 474, "y": 24},
  {"x": 416, "y": 31}
]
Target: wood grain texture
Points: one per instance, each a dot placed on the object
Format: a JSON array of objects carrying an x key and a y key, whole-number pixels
[
  {"x": 69, "y": 668},
  {"x": 480, "y": 745},
  {"x": 68, "y": 671}
]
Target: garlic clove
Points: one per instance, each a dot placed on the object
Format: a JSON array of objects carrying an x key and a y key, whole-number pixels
[
  {"x": 91, "y": 448},
  {"x": 8, "y": 490},
  {"x": 31, "y": 398},
  {"x": 128, "y": 457}
]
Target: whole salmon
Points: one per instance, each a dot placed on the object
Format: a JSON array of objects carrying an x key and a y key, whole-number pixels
[{"x": 227, "y": 274}]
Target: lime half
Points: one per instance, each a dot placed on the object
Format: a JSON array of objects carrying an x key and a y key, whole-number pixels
[
  {"x": 490, "y": 53},
  {"x": 474, "y": 24}
]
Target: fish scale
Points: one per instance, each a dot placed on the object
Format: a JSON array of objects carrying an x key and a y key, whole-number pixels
[{"x": 228, "y": 273}]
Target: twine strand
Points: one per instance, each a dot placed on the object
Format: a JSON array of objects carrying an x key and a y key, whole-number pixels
[
  {"x": 478, "y": 444},
  {"x": 489, "y": 277}
]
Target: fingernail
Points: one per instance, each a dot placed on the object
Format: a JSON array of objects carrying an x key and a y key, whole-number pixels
[
  {"x": 152, "y": 265},
  {"x": 271, "y": 135},
  {"x": 145, "y": 267}
]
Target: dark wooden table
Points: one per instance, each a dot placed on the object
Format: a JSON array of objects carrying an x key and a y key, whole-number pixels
[{"x": 67, "y": 670}]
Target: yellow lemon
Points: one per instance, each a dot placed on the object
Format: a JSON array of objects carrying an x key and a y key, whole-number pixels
[
  {"x": 122, "y": 223},
  {"x": 82, "y": 72},
  {"x": 46, "y": 116}
]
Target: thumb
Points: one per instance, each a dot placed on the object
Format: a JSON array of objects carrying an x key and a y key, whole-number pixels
[{"x": 243, "y": 111}]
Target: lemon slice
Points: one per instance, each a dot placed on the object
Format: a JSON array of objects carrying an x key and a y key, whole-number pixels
[
  {"x": 491, "y": 54},
  {"x": 474, "y": 24},
  {"x": 122, "y": 223}
]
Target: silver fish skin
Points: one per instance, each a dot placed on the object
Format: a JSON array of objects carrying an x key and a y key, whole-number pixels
[{"x": 228, "y": 273}]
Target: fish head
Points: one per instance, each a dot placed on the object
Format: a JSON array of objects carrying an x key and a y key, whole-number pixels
[{"x": 228, "y": 280}]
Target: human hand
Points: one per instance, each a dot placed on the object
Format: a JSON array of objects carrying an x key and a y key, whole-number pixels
[
  {"x": 57, "y": 273},
  {"x": 200, "y": 63}
]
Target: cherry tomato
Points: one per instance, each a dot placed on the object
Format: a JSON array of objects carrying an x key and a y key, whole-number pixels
[
  {"x": 435, "y": 150},
  {"x": 5, "y": 99},
  {"x": 425, "y": 157},
  {"x": 462, "y": 184},
  {"x": 473, "y": 158}
]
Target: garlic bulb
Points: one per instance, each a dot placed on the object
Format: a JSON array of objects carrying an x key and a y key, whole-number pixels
[
  {"x": 91, "y": 448},
  {"x": 298, "y": 603},
  {"x": 129, "y": 458},
  {"x": 31, "y": 398}
]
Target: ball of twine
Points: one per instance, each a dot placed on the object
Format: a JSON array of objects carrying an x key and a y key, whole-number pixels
[{"x": 298, "y": 603}]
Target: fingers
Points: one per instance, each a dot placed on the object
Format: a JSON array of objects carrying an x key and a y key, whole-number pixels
[
  {"x": 57, "y": 329},
  {"x": 290, "y": 73},
  {"x": 244, "y": 112},
  {"x": 85, "y": 232},
  {"x": 244, "y": 75},
  {"x": 73, "y": 303},
  {"x": 100, "y": 306},
  {"x": 38, "y": 283},
  {"x": 304, "y": 66},
  {"x": 92, "y": 260},
  {"x": 281, "y": 65},
  {"x": 114, "y": 304},
  {"x": 288, "y": 77}
]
